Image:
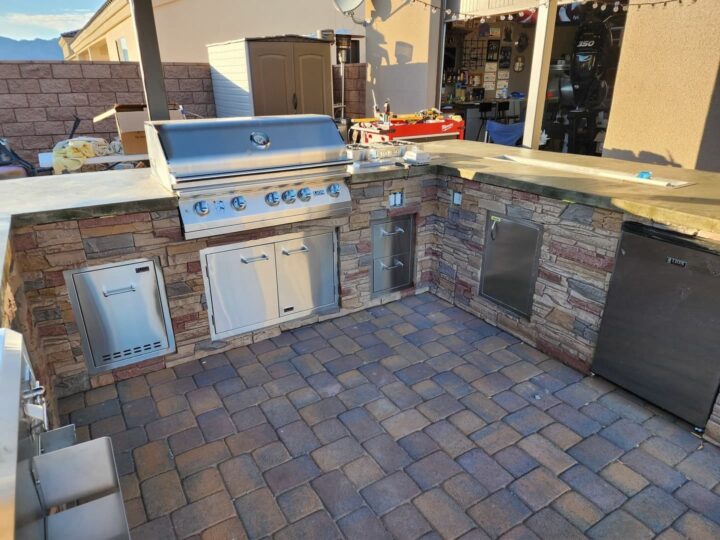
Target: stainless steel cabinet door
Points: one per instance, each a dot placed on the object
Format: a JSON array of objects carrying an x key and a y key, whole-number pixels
[
  {"x": 391, "y": 237},
  {"x": 392, "y": 272},
  {"x": 305, "y": 273},
  {"x": 510, "y": 262},
  {"x": 122, "y": 313},
  {"x": 243, "y": 287}
]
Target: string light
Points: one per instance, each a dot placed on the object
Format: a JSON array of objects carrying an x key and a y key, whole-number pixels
[{"x": 616, "y": 5}]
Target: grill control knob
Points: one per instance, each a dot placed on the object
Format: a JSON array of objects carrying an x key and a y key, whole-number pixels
[
  {"x": 202, "y": 208},
  {"x": 239, "y": 203},
  {"x": 289, "y": 196},
  {"x": 304, "y": 194},
  {"x": 334, "y": 190},
  {"x": 272, "y": 198}
]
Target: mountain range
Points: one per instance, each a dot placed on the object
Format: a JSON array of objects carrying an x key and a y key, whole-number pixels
[{"x": 30, "y": 49}]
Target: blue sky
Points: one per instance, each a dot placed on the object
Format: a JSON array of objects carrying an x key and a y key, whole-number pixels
[{"x": 30, "y": 19}]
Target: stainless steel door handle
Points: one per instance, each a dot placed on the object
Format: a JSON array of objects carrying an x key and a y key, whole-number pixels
[
  {"x": 398, "y": 264},
  {"x": 493, "y": 233},
  {"x": 121, "y": 290},
  {"x": 398, "y": 230},
  {"x": 248, "y": 260},
  {"x": 301, "y": 249}
]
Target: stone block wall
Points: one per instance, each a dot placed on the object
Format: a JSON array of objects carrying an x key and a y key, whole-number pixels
[
  {"x": 39, "y": 100},
  {"x": 355, "y": 84},
  {"x": 42, "y": 252},
  {"x": 576, "y": 261}
]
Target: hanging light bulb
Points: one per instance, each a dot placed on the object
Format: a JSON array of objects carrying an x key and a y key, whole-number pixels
[
  {"x": 595, "y": 5},
  {"x": 533, "y": 10},
  {"x": 603, "y": 7},
  {"x": 433, "y": 9},
  {"x": 448, "y": 12},
  {"x": 482, "y": 20},
  {"x": 521, "y": 14},
  {"x": 625, "y": 8},
  {"x": 502, "y": 17},
  {"x": 510, "y": 17}
]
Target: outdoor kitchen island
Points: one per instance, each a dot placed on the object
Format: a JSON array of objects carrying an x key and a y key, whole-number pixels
[{"x": 84, "y": 220}]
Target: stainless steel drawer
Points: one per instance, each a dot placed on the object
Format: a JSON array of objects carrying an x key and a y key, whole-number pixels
[
  {"x": 242, "y": 287},
  {"x": 392, "y": 272},
  {"x": 305, "y": 273},
  {"x": 122, "y": 313},
  {"x": 392, "y": 237}
]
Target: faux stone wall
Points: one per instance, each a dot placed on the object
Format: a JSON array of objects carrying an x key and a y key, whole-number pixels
[
  {"x": 576, "y": 261},
  {"x": 39, "y": 100},
  {"x": 355, "y": 84},
  {"x": 42, "y": 252}
]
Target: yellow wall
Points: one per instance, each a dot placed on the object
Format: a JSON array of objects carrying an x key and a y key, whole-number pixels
[
  {"x": 402, "y": 54},
  {"x": 126, "y": 30},
  {"x": 666, "y": 105}
]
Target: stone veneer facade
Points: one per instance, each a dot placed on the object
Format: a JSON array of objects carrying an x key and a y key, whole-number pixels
[{"x": 576, "y": 262}]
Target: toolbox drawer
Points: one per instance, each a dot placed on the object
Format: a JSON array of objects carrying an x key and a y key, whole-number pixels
[
  {"x": 392, "y": 237},
  {"x": 392, "y": 272}
]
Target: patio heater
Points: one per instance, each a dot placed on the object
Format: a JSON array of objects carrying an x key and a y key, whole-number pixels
[{"x": 343, "y": 46}]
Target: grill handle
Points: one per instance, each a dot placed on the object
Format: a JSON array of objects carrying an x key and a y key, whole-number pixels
[
  {"x": 301, "y": 249},
  {"x": 121, "y": 290},
  {"x": 398, "y": 264},
  {"x": 398, "y": 230},
  {"x": 249, "y": 260}
]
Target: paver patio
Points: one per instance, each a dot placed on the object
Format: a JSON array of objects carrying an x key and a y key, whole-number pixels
[{"x": 414, "y": 419}]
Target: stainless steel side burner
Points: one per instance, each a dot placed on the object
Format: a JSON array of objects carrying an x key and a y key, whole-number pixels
[{"x": 233, "y": 174}]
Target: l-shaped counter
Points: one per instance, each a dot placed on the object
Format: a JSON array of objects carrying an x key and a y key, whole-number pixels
[{"x": 52, "y": 224}]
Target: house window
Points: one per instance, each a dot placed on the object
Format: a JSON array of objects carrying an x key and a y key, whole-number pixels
[{"x": 122, "y": 49}]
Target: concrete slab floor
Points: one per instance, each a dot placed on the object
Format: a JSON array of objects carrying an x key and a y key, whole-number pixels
[{"x": 409, "y": 420}]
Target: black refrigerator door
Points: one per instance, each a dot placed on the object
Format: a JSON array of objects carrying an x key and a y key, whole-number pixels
[{"x": 660, "y": 333}]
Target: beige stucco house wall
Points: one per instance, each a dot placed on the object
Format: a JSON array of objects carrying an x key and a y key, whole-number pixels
[
  {"x": 185, "y": 27},
  {"x": 666, "y": 105}
]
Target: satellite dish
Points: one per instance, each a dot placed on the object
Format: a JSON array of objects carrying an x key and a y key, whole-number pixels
[{"x": 347, "y": 7}]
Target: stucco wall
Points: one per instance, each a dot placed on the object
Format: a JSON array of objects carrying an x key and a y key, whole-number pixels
[
  {"x": 402, "y": 54},
  {"x": 666, "y": 106}
]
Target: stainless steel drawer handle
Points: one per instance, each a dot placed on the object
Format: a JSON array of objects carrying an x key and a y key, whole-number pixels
[
  {"x": 398, "y": 264},
  {"x": 398, "y": 230},
  {"x": 121, "y": 290},
  {"x": 301, "y": 249},
  {"x": 248, "y": 260}
]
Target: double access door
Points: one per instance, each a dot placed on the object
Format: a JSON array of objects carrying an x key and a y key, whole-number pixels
[
  {"x": 290, "y": 78},
  {"x": 253, "y": 285}
]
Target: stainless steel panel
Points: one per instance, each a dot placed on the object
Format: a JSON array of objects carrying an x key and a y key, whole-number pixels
[
  {"x": 242, "y": 288},
  {"x": 391, "y": 273},
  {"x": 77, "y": 472},
  {"x": 122, "y": 313},
  {"x": 391, "y": 237},
  {"x": 185, "y": 149},
  {"x": 100, "y": 519},
  {"x": 659, "y": 336},
  {"x": 510, "y": 262},
  {"x": 306, "y": 273}
]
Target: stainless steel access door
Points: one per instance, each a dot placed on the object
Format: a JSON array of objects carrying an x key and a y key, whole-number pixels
[
  {"x": 243, "y": 288},
  {"x": 306, "y": 273},
  {"x": 121, "y": 311},
  {"x": 510, "y": 262},
  {"x": 660, "y": 332}
]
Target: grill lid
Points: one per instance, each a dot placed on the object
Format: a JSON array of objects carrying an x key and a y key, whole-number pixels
[{"x": 189, "y": 149}]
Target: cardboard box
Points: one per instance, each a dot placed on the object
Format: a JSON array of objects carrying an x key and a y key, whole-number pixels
[{"x": 130, "y": 121}]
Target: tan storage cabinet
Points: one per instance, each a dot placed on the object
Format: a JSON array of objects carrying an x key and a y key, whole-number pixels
[{"x": 270, "y": 76}]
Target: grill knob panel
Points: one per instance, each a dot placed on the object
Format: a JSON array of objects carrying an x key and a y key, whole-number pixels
[
  {"x": 202, "y": 208},
  {"x": 305, "y": 194},
  {"x": 272, "y": 198},
  {"x": 334, "y": 190},
  {"x": 289, "y": 196},
  {"x": 239, "y": 203}
]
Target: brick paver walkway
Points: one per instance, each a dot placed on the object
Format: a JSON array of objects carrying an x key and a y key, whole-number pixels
[{"x": 409, "y": 420}]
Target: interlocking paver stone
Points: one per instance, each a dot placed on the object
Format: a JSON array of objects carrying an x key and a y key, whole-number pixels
[
  {"x": 259, "y": 513},
  {"x": 387, "y": 453},
  {"x": 458, "y": 419},
  {"x": 538, "y": 488},
  {"x": 337, "y": 493},
  {"x": 406, "y": 523},
  {"x": 390, "y": 492},
  {"x": 655, "y": 508},
  {"x": 443, "y": 513},
  {"x": 499, "y": 513}
]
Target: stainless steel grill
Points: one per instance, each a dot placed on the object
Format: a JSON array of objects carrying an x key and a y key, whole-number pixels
[{"x": 234, "y": 174}]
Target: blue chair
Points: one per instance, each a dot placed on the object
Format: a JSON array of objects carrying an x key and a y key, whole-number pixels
[{"x": 507, "y": 134}]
